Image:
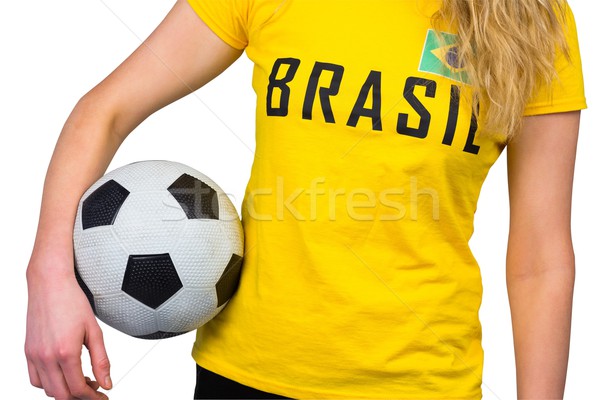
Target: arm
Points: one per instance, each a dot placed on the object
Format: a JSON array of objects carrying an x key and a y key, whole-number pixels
[
  {"x": 180, "y": 56},
  {"x": 540, "y": 268}
]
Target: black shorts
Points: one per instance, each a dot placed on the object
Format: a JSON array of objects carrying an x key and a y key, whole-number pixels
[{"x": 212, "y": 386}]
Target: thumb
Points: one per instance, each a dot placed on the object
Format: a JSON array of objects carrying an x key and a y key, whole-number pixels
[{"x": 98, "y": 356}]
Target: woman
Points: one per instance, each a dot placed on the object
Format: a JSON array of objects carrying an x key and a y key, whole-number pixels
[{"x": 374, "y": 135}]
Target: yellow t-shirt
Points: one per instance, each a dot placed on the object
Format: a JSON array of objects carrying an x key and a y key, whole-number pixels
[{"x": 358, "y": 280}]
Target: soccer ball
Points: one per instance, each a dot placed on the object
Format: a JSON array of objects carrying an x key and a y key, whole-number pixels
[{"x": 158, "y": 249}]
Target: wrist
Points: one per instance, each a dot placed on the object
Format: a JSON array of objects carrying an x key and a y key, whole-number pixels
[
  {"x": 50, "y": 263},
  {"x": 54, "y": 239}
]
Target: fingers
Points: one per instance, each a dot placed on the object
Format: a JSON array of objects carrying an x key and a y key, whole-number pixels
[
  {"x": 58, "y": 318},
  {"x": 61, "y": 377},
  {"x": 53, "y": 381},
  {"x": 100, "y": 363},
  {"x": 34, "y": 378},
  {"x": 77, "y": 384},
  {"x": 93, "y": 384}
]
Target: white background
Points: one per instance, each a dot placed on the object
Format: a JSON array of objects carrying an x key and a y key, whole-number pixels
[{"x": 52, "y": 52}]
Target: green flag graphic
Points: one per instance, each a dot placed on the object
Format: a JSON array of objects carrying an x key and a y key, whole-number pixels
[{"x": 441, "y": 59}]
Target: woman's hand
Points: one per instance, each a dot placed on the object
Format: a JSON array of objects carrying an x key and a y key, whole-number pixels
[{"x": 59, "y": 322}]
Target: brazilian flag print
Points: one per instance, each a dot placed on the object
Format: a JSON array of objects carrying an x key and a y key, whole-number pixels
[{"x": 441, "y": 57}]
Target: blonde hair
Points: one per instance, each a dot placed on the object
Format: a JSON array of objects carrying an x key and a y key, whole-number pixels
[{"x": 508, "y": 49}]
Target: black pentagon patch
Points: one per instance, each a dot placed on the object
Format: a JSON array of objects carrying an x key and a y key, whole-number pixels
[
  {"x": 160, "y": 335},
  {"x": 196, "y": 198},
  {"x": 228, "y": 282},
  {"x": 151, "y": 279},
  {"x": 101, "y": 207},
  {"x": 86, "y": 290}
]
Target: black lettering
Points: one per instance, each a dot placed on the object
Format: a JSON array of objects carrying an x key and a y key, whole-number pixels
[
  {"x": 469, "y": 146},
  {"x": 409, "y": 94},
  {"x": 372, "y": 84},
  {"x": 324, "y": 92},
  {"x": 452, "y": 116},
  {"x": 281, "y": 84}
]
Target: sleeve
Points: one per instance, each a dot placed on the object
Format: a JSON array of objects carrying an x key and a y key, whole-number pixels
[
  {"x": 228, "y": 19},
  {"x": 567, "y": 92}
]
